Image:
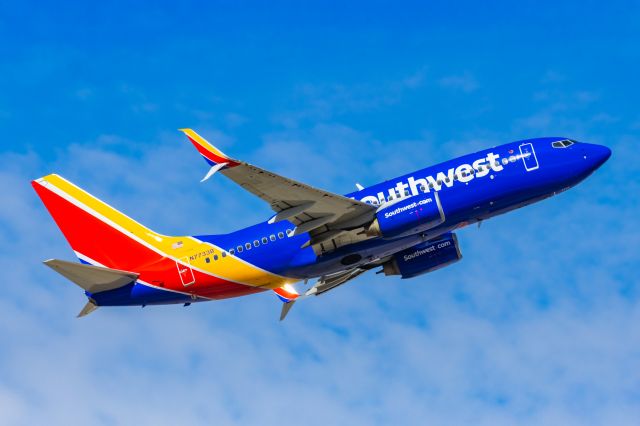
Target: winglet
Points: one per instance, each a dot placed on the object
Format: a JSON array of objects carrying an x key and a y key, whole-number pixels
[
  {"x": 213, "y": 171},
  {"x": 212, "y": 155},
  {"x": 88, "y": 308},
  {"x": 288, "y": 295},
  {"x": 286, "y": 307}
]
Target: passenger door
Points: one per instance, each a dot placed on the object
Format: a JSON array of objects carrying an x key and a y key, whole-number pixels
[{"x": 529, "y": 158}]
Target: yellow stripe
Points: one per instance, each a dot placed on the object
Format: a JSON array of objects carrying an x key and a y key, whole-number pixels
[
  {"x": 202, "y": 141},
  {"x": 228, "y": 267}
]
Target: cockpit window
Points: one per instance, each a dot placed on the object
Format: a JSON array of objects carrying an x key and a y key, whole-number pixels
[{"x": 563, "y": 144}]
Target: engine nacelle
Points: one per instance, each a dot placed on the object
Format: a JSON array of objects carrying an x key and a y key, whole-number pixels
[
  {"x": 424, "y": 257},
  {"x": 407, "y": 216}
]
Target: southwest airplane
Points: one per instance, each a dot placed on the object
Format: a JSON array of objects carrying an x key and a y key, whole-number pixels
[{"x": 402, "y": 226}]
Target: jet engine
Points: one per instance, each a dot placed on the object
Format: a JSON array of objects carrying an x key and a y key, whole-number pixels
[
  {"x": 424, "y": 257},
  {"x": 407, "y": 216}
]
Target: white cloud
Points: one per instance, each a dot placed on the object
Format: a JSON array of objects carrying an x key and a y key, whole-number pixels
[
  {"x": 464, "y": 82},
  {"x": 535, "y": 325}
]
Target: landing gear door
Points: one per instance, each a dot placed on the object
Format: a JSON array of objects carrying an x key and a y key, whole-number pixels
[
  {"x": 185, "y": 272},
  {"x": 529, "y": 157}
]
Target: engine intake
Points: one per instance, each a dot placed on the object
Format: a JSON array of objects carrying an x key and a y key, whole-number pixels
[{"x": 424, "y": 257}]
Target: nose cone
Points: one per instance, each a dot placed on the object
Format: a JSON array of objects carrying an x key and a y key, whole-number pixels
[{"x": 598, "y": 155}]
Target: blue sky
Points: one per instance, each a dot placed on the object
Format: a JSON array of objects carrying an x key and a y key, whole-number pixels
[{"x": 537, "y": 324}]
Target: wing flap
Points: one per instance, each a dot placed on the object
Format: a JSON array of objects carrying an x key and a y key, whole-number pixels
[{"x": 330, "y": 282}]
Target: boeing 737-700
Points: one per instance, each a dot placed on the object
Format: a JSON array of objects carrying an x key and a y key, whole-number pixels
[{"x": 403, "y": 226}]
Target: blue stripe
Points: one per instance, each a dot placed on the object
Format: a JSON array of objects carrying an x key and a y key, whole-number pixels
[{"x": 139, "y": 294}]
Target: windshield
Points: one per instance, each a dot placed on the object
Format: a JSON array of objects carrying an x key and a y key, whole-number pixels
[{"x": 563, "y": 143}]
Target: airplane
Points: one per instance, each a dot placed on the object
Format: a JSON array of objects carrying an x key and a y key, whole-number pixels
[{"x": 401, "y": 227}]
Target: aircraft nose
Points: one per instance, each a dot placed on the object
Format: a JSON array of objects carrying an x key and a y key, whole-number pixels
[{"x": 598, "y": 155}]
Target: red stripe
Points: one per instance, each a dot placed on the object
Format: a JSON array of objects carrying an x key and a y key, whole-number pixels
[
  {"x": 93, "y": 238},
  {"x": 211, "y": 156},
  {"x": 284, "y": 293}
]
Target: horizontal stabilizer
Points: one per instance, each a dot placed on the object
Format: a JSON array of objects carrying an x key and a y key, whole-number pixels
[{"x": 93, "y": 279}]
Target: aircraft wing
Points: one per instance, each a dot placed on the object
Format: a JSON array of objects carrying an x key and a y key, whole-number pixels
[
  {"x": 329, "y": 282},
  {"x": 323, "y": 214},
  {"x": 289, "y": 295}
]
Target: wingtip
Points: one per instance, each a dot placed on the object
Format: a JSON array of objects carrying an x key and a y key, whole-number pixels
[
  {"x": 286, "y": 307},
  {"x": 210, "y": 153},
  {"x": 88, "y": 308}
]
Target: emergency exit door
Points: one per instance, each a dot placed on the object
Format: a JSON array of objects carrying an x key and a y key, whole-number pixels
[{"x": 185, "y": 272}]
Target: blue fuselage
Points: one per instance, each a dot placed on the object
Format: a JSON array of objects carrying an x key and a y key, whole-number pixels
[{"x": 471, "y": 188}]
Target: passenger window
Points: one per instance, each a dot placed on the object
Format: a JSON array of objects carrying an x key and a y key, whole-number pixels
[
  {"x": 280, "y": 235},
  {"x": 215, "y": 257},
  {"x": 289, "y": 232},
  {"x": 256, "y": 243},
  {"x": 264, "y": 240},
  {"x": 505, "y": 161},
  {"x": 207, "y": 260},
  {"x": 512, "y": 159},
  {"x": 406, "y": 192},
  {"x": 239, "y": 249},
  {"x": 224, "y": 254},
  {"x": 272, "y": 237},
  {"x": 231, "y": 252},
  {"x": 422, "y": 188},
  {"x": 247, "y": 246}
]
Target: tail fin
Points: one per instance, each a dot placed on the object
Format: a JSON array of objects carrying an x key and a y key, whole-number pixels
[
  {"x": 98, "y": 233},
  {"x": 212, "y": 155}
]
